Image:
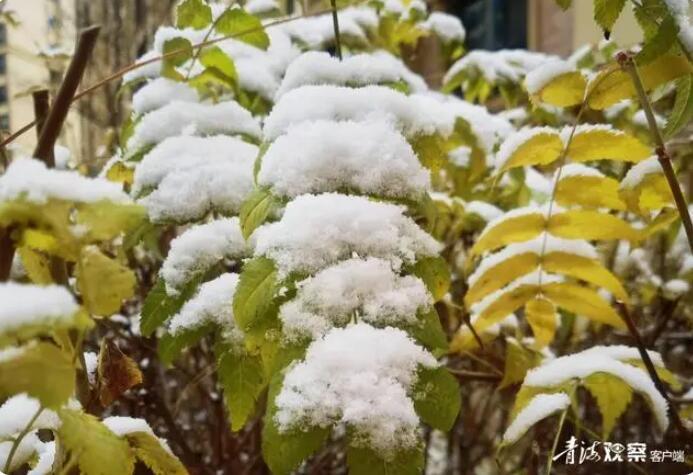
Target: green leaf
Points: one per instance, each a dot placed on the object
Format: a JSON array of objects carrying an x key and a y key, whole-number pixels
[
  {"x": 242, "y": 26},
  {"x": 149, "y": 450},
  {"x": 255, "y": 210},
  {"x": 194, "y": 14},
  {"x": 564, "y": 4},
  {"x": 437, "y": 398},
  {"x": 606, "y": 12},
  {"x": 159, "y": 306},
  {"x": 214, "y": 58},
  {"x": 183, "y": 52},
  {"x": 41, "y": 370},
  {"x": 660, "y": 42},
  {"x": 241, "y": 376},
  {"x": 682, "y": 112},
  {"x": 518, "y": 360},
  {"x": 430, "y": 332},
  {"x": 435, "y": 273},
  {"x": 284, "y": 451},
  {"x": 98, "y": 450},
  {"x": 254, "y": 297},
  {"x": 365, "y": 461},
  {"x": 612, "y": 395},
  {"x": 103, "y": 282}
]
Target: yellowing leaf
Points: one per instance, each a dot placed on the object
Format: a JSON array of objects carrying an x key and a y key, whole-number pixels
[
  {"x": 500, "y": 275},
  {"x": 42, "y": 371},
  {"x": 564, "y": 90},
  {"x": 504, "y": 306},
  {"x": 589, "y": 192},
  {"x": 591, "y": 225},
  {"x": 514, "y": 229},
  {"x": 435, "y": 274},
  {"x": 585, "y": 269},
  {"x": 36, "y": 264},
  {"x": 540, "y": 149},
  {"x": 106, "y": 220},
  {"x": 601, "y": 144},
  {"x": 149, "y": 450},
  {"x": 582, "y": 301},
  {"x": 541, "y": 316},
  {"x": 119, "y": 172},
  {"x": 612, "y": 84},
  {"x": 518, "y": 360},
  {"x": 612, "y": 395},
  {"x": 96, "y": 449},
  {"x": 103, "y": 282}
]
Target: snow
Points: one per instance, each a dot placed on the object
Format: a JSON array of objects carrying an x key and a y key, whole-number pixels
[
  {"x": 460, "y": 156},
  {"x": 413, "y": 115},
  {"x": 318, "y": 32},
  {"x": 24, "y": 304},
  {"x": 12, "y": 352},
  {"x": 623, "y": 353},
  {"x": 319, "y": 68},
  {"x": 552, "y": 244},
  {"x": 185, "y": 118},
  {"x": 183, "y": 153},
  {"x": 365, "y": 289},
  {"x": 370, "y": 157},
  {"x": 587, "y": 128},
  {"x": 18, "y": 410},
  {"x": 46, "y": 457},
  {"x": 676, "y": 288},
  {"x": 165, "y": 33},
  {"x": 578, "y": 169},
  {"x": 318, "y": 230},
  {"x": 404, "y": 7},
  {"x": 25, "y": 449},
  {"x": 679, "y": 10},
  {"x": 516, "y": 140},
  {"x": 448, "y": 27},
  {"x": 638, "y": 172},
  {"x": 640, "y": 118},
  {"x": 159, "y": 92},
  {"x": 538, "y": 408},
  {"x": 359, "y": 376},
  {"x": 581, "y": 365},
  {"x": 62, "y": 156},
  {"x": 91, "y": 363},
  {"x": 199, "y": 248},
  {"x": 256, "y": 75},
  {"x": 539, "y": 77},
  {"x": 188, "y": 195},
  {"x": 255, "y": 7},
  {"x": 517, "y": 213},
  {"x": 29, "y": 179},
  {"x": 485, "y": 211},
  {"x": 121, "y": 425},
  {"x": 507, "y": 65},
  {"x": 537, "y": 182},
  {"x": 211, "y": 304}
]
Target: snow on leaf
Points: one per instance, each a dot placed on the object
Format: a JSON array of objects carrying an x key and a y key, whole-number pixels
[{"x": 538, "y": 408}]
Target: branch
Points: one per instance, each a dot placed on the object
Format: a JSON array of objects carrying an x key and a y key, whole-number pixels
[
  {"x": 652, "y": 371},
  {"x": 627, "y": 62},
  {"x": 335, "y": 24},
  {"x": 20, "y": 437}
]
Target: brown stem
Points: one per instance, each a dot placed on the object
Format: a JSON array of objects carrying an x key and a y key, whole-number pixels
[
  {"x": 41, "y": 109},
  {"x": 335, "y": 24},
  {"x": 625, "y": 314},
  {"x": 474, "y": 375},
  {"x": 627, "y": 62},
  {"x": 61, "y": 104}
]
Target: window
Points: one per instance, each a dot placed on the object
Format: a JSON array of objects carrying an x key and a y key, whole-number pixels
[
  {"x": 3, "y": 94},
  {"x": 493, "y": 24},
  {"x": 4, "y": 122},
  {"x": 3, "y": 34},
  {"x": 3, "y": 63}
]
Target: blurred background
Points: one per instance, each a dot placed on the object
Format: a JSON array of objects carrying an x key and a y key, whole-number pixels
[{"x": 37, "y": 37}]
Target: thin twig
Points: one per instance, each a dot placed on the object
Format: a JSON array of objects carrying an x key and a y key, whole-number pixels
[
  {"x": 627, "y": 62},
  {"x": 651, "y": 370},
  {"x": 474, "y": 375},
  {"x": 335, "y": 24},
  {"x": 20, "y": 437}
]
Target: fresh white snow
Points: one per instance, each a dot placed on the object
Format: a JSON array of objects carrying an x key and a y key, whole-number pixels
[
  {"x": 539, "y": 407},
  {"x": 24, "y": 304}
]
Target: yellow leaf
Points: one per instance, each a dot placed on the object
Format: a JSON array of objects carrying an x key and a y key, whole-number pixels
[
  {"x": 612, "y": 395},
  {"x": 540, "y": 149},
  {"x": 510, "y": 230},
  {"x": 589, "y": 192},
  {"x": 37, "y": 265},
  {"x": 652, "y": 193},
  {"x": 518, "y": 361},
  {"x": 602, "y": 144},
  {"x": 591, "y": 225},
  {"x": 661, "y": 222},
  {"x": 119, "y": 172},
  {"x": 503, "y": 306},
  {"x": 564, "y": 90},
  {"x": 582, "y": 301},
  {"x": 664, "y": 374},
  {"x": 500, "y": 275},
  {"x": 541, "y": 316},
  {"x": 585, "y": 269},
  {"x": 106, "y": 220},
  {"x": 612, "y": 84},
  {"x": 103, "y": 282}
]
